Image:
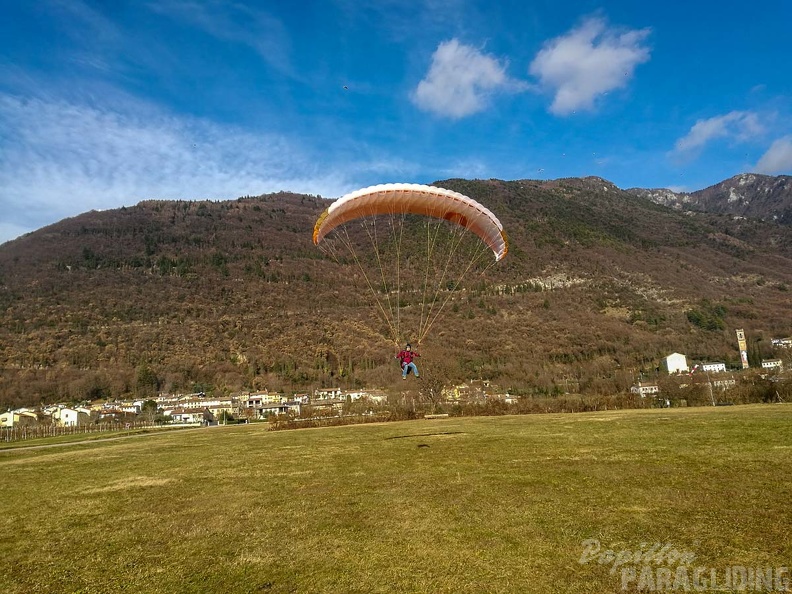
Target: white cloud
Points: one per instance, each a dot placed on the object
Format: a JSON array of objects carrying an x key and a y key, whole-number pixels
[
  {"x": 60, "y": 159},
  {"x": 778, "y": 158},
  {"x": 736, "y": 125},
  {"x": 460, "y": 81},
  {"x": 587, "y": 62}
]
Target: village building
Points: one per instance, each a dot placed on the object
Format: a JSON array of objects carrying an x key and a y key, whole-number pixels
[
  {"x": 262, "y": 411},
  {"x": 724, "y": 384},
  {"x": 713, "y": 367},
  {"x": 645, "y": 389},
  {"x": 261, "y": 399},
  {"x": 675, "y": 363},
  {"x": 213, "y": 404},
  {"x": 327, "y": 393},
  {"x": 354, "y": 395},
  {"x": 18, "y": 418},
  {"x": 772, "y": 364},
  {"x": 68, "y": 417},
  {"x": 131, "y": 408},
  {"x": 183, "y": 416},
  {"x": 471, "y": 391},
  {"x": 376, "y": 396}
]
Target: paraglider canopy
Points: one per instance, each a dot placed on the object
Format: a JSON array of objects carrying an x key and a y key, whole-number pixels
[
  {"x": 413, "y": 245},
  {"x": 416, "y": 199}
]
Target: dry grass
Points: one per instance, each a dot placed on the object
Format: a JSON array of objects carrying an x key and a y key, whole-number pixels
[{"x": 454, "y": 505}]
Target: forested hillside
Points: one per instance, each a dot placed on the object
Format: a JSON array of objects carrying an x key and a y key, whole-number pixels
[{"x": 226, "y": 296}]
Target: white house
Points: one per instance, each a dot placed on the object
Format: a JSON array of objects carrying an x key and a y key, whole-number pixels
[
  {"x": 180, "y": 415},
  {"x": 282, "y": 408},
  {"x": 713, "y": 367},
  {"x": 645, "y": 389},
  {"x": 354, "y": 395},
  {"x": 327, "y": 405},
  {"x": 772, "y": 364},
  {"x": 124, "y": 407},
  {"x": 68, "y": 417},
  {"x": 262, "y": 398},
  {"x": 782, "y": 342},
  {"x": 112, "y": 414},
  {"x": 675, "y": 363},
  {"x": 13, "y": 418},
  {"x": 376, "y": 396},
  {"x": 223, "y": 406},
  {"x": 327, "y": 393}
]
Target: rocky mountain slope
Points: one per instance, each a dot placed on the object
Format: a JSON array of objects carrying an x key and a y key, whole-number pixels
[{"x": 764, "y": 197}]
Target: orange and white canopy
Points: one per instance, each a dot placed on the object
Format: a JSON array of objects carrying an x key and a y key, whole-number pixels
[{"x": 418, "y": 199}]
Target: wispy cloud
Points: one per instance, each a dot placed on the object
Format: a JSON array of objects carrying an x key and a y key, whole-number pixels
[
  {"x": 460, "y": 81},
  {"x": 236, "y": 23},
  {"x": 59, "y": 159},
  {"x": 736, "y": 125},
  {"x": 778, "y": 158},
  {"x": 89, "y": 25},
  {"x": 469, "y": 167},
  {"x": 587, "y": 62}
]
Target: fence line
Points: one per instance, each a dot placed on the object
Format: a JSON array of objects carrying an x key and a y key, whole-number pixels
[{"x": 8, "y": 434}]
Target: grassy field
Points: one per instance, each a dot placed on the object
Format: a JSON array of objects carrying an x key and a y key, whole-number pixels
[{"x": 487, "y": 504}]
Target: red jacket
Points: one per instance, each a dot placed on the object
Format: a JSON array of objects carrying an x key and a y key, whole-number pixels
[{"x": 406, "y": 357}]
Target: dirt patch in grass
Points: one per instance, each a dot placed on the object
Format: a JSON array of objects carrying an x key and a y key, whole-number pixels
[{"x": 133, "y": 482}]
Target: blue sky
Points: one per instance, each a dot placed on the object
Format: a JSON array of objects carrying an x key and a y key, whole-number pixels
[{"x": 106, "y": 103}]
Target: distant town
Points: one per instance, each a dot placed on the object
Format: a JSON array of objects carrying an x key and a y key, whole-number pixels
[
  {"x": 201, "y": 409},
  {"x": 676, "y": 364}
]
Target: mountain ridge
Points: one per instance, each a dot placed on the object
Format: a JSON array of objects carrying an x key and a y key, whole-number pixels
[{"x": 752, "y": 195}]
